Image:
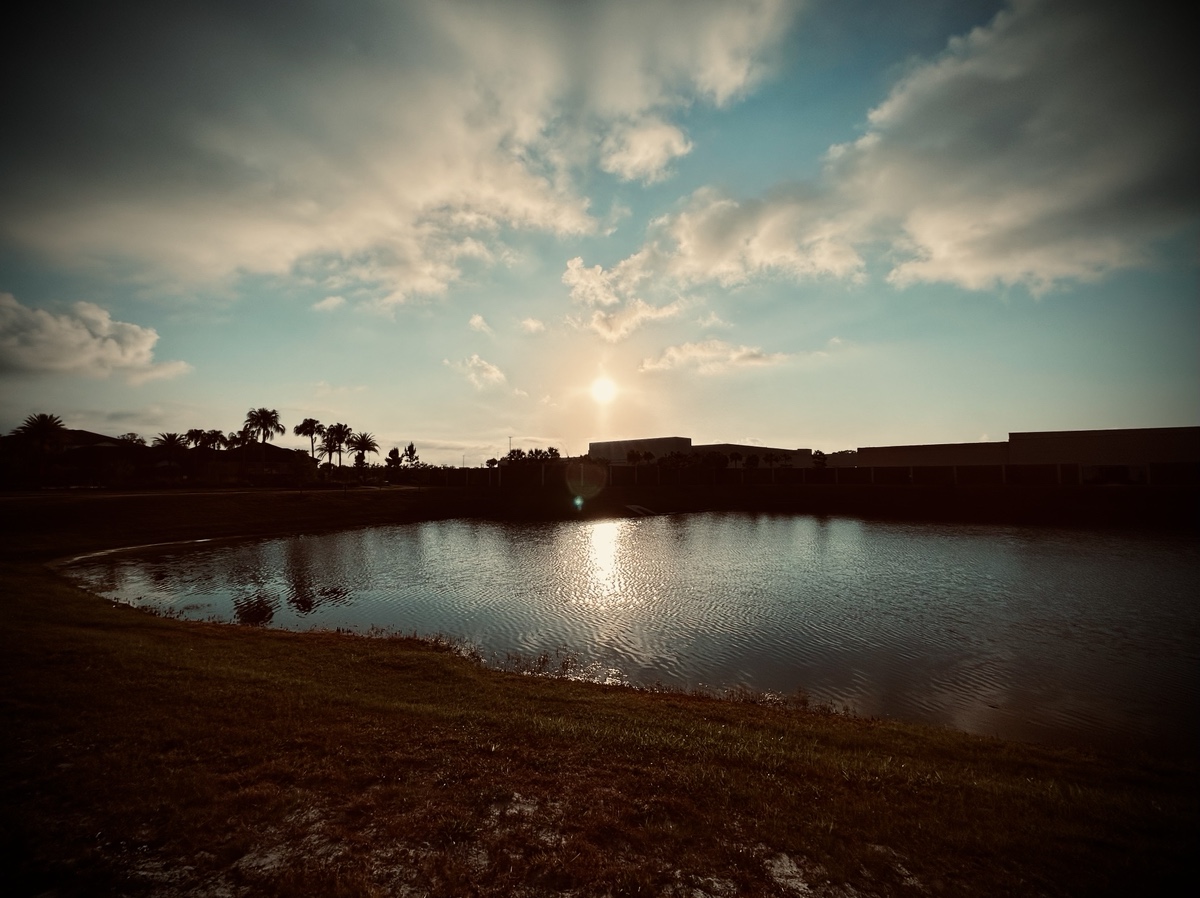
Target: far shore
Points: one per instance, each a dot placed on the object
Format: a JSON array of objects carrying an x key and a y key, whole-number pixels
[
  {"x": 158, "y": 757},
  {"x": 54, "y": 521}
]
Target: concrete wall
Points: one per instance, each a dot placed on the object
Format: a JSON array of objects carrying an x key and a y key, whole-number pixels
[
  {"x": 1150, "y": 445},
  {"x": 1144, "y": 446},
  {"x": 994, "y": 453}
]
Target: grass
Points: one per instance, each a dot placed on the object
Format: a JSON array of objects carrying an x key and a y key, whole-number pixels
[{"x": 150, "y": 756}]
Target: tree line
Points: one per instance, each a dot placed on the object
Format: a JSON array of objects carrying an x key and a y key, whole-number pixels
[
  {"x": 43, "y": 434},
  {"x": 518, "y": 456}
]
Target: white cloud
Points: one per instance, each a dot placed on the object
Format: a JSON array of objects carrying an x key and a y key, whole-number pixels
[
  {"x": 532, "y": 326},
  {"x": 620, "y": 312},
  {"x": 159, "y": 371},
  {"x": 617, "y": 325},
  {"x": 87, "y": 341},
  {"x": 380, "y": 148},
  {"x": 329, "y": 303},
  {"x": 713, "y": 320},
  {"x": 712, "y": 357},
  {"x": 717, "y": 238},
  {"x": 643, "y": 150},
  {"x": 482, "y": 374},
  {"x": 323, "y": 389},
  {"x": 477, "y": 323},
  {"x": 1057, "y": 143},
  {"x": 590, "y": 286}
]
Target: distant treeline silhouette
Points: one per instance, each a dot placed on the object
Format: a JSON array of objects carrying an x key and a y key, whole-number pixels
[{"x": 42, "y": 451}]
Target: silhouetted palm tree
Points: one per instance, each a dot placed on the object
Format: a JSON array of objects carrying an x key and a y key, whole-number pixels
[
  {"x": 264, "y": 423},
  {"x": 329, "y": 446},
  {"x": 41, "y": 430},
  {"x": 362, "y": 443},
  {"x": 42, "y": 435},
  {"x": 311, "y": 428},
  {"x": 172, "y": 442},
  {"x": 338, "y": 434},
  {"x": 172, "y": 445},
  {"x": 195, "y": 437},
  {"x": 214, "y": 439}
]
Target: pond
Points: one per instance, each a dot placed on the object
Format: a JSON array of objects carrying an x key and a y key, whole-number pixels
[{"x": 1053, "y": 635}]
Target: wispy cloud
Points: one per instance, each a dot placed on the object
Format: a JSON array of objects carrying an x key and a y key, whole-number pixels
[
  {"x": 616, "y": 325},
  {"x": 323, "y": 389},
  {"x": 477, "y": 323},
  {"x": 713, "y": 321},
  {"x": 712, "y": 357},
  {"x": 532, "y": 326},
  {"x": 1055, "y": 144},
  {"x": 329, "y": 303},
  {"x": 481, "y": 373},
  {"x": 86, "y": 341},
  {"x": 386, "y": 169},
  {"x": 617, "y": 312}
]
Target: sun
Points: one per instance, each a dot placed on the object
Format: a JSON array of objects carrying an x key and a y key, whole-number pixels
[{"x": 604, "y": 390}]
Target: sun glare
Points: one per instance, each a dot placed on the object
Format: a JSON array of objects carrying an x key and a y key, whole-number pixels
[{"x": 604, "y": 390}]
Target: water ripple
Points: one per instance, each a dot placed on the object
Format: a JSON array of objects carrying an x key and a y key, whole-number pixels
[{"x": 1026, "y": 632}]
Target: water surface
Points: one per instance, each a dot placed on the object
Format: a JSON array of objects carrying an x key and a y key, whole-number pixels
[{"x": 1062, "y": 636}]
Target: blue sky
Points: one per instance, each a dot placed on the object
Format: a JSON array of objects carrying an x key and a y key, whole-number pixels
[{"x": 802, "y": 224}]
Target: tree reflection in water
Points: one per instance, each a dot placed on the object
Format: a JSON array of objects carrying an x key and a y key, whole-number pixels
[
  {"x": 256, "y": 610},
  {"x": 304, "y": 570}
]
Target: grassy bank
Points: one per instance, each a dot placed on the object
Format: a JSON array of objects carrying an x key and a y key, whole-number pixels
[{"x": 158, "y": 757}]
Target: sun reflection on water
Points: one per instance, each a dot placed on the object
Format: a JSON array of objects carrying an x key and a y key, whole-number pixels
[
  {"x": 951, "y": 626},
  {"x": 603, "y": 569}
]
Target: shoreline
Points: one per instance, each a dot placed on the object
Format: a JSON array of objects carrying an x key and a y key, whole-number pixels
[
  {"x": 161, "y": 757},
  {"x": 1170, "y": 734},
  {"x": 48, "y": 520}
]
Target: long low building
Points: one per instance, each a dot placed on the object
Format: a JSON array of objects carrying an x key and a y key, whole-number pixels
[
  {"x": 767, "y": 455},
  {"x": 1088, "y": 448},
  {"x": 1139, "y": 446},
  {"x": 618, "y": 451}
]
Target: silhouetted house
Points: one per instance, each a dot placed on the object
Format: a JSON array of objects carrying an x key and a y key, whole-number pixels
[
  {"x": 78, "y": 458},
  {"x": 265, "y": 464}
]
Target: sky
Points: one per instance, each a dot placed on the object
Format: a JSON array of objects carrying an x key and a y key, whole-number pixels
[{"x": 821, "y": 224}]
